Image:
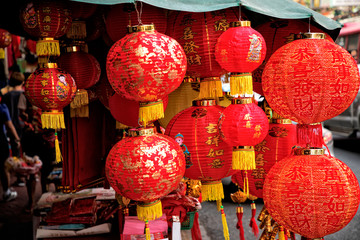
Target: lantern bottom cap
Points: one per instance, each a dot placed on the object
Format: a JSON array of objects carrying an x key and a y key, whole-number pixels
[{"x": 149, "y": 211}]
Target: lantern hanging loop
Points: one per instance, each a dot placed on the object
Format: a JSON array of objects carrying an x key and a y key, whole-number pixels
[{"x": 139, "y": 13}]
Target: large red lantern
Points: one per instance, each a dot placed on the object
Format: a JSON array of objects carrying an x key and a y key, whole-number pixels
[
  {"x": 240, "y": 50},
  {"x": 197, "y": 33},
  {"x": 122, "y": 15},
  {"x": 208, "y": 158},
  {"x": 145, "y": 66},
  {"x": 243, "y": 125},
  {"x": 145, "y": 167},
  {"x": 311, "y": 194},
  {"x": 277, "y": 144},
  {"x": 46, "y": 20}
]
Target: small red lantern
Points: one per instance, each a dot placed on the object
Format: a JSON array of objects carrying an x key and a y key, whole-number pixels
[
  {"x": 81, "y": 10},
  {"x": 146, "y": 66},
  {"x": 311, "y": 194},
  {"x": 240, "y": 50},
  {"x": 243, "y": 125},
  {"x": 145, "y": 167},
  {"x": 46, "y": 20},
  {"x": 277, "y": 145},
  {"x": 121, "y": 16},
  {"x": 207, "y": 157},
  {"x": 5, "y": 38}
]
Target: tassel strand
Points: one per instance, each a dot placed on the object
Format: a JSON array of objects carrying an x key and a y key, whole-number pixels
[{"x": 224, "y": 223}]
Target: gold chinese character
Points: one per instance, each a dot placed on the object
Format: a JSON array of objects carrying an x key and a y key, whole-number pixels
[
  {"x": 213, "y": 153},
  {"x": 188, "y": 34},
  {"x": 213, "y": 140},
  {"x": 257, "y": 135},
  {"x": 221, "y": 25},
  {"x": 216, "y": 163},
  {"x": 44, "y": 82},
  {"x": 192, "y": 60},
  {"x": 258, "y": 128},
  {"x": 45, "y": 99},
  {"x": 45, "y": 75},
  {"x": 46, "y": 9},
  {"x": 47, "y": 28},
  {"x": 259, "y": 160},
  {"x": 44, "y": 92},
  {"x": 247, "y": 117},
  {"x": 248, "y": 124},
  {"x": 47, "y": 19},
  {"x": 189, "y": 47},
  {"x": 212, "y": 128}
]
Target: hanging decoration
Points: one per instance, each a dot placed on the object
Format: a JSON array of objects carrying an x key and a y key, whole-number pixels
[
  {"x": 46, "y": 20},
  {"x": 144, "y": 167},
  {"x": 311, "y": 194},
  {"x": 5, "y": 41},
  {"x": 145, "y": 66}
]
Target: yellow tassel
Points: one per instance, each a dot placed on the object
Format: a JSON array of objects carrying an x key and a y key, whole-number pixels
[
  {"x": 212, "y": 190},
  {"x": 58, "y": 156},
  {"x": 53, "y": 120},
  {"x": 149, "y": 211},
  {"x": 150, "y": 112},
  {"x": 243, "y": 158},
  {"x": 281, "y": 233},
  {"x": 241, "y": 84},
  {"x": 2, "y": 53},
  {"x": 119, "y": 125},
  {"x": 147, "y": 231},
  {"x": 82, "y": 111},
  {"x": 246, "y": 185},
  {"x": 224, "y": 223},
  {"x": 218, "y": 204},
  {"x": 77, "y": 30},
  {"x": 47, "y": 47},
  {"x": 81, "y": 98},
  {"x": 210, "y": 88}
]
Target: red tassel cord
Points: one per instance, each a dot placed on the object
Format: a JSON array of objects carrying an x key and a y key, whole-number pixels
[
  {"x": 253, "y": 224},
  {"x": 309, "y": 134},
  {"x": 239, "y": 225},
  {"x": 195, "y": 230}
]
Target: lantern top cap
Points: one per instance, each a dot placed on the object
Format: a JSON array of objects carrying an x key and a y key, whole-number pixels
[
  {"x": 240, "y": 24},
  {"x": 137, "y": 132},
  {"x": 310, "y": 35},
  {"x": 48, "y": 65},
  {"x": 247, "y": 100},
  {"x": 141, "y": 28},
  {"x": 191, "y": 80},
  {"x": 309, "y": 151},
  {"x": 204, "y": 103},
  {"x": 281, "y": 121},
  {"x": 73, "y": 48}
]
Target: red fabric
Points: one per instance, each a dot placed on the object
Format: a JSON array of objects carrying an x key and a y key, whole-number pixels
[
  {"x": 243, "y": 125},
  {"x": 319, "y": 80},
  {"x": 195, "y": 230},
  {"x": 81, "y": 10},
  {"x": 5, "y": 38},
  {"x": 207, "y": 156},
  {"x": 197, "y": 33},
  {"x": 126, "y": 111},
  {"x": 239, "y": 224},
  {"x": 145, "y": 66},
  {"x": 240, "y": 49},
  {"x": 145, "y": 168},
  {"x": 83, "y": 67},
  {"x": 253, "y": 225},
  {"x": 301, "y": 189},
  {"x": 31, "y": 45},
  {"x": 122, "y": 15},
  {"x": 49, "y": 19},
  {"x": 50, "y": 88},
  {"x": 276, "y": 34},
  {"x": 276, "y": 145},
  {"x": 309, "y": 135}
]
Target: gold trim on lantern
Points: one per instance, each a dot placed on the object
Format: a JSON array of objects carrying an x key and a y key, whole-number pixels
[
  {"x": 240, "y": 24},
  {"x": 280, "y": 121},
  {"x": 310, "y": 35},
  {"x": 309, "y": 151},
  {"x": 313, "y": 124},
  {"x": 241, "y": 101},
  {"x": 210, "y": 79},
  {"x": 243, "y": 148},
  {"x": 204, "y": 103},
  {"x": 73, "y": 49},
  {"x": 136, "y": 132},
  {"x": 141, "y": 28},
  {"x": 48, "y": 65},
  {"x": 191, "y": 79}
]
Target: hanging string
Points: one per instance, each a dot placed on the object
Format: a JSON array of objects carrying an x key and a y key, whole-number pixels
[
  {"x": 309, "y": 22},
  {"x": 139, "y": 13},
  {"x": 239, "y": 11}
]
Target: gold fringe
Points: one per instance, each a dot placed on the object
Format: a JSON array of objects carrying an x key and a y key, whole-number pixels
[
  {"x": 246, "y": 185},
  {"x": 210, "y": 88},
  {"x": 47, "y": 47},
  {"x": 151, "y": 111},
  {"x": 243, "y": 159},
  {"x": 58, "y": 156},
  {"x": 212, "y": 191},
  {"x": 77, "y": 30},
  {"x": 119, "y": 125},
  {"x": 2, "y": 53},
  {"x": 53, "y": 120},
  {"x": 147, "y": 231},
  {"x": 241, "y": 84},
  {"x": 82, "y": 111},
  {"x": 149, "y": 211},
  {"x": 224, "y": 223},
  {"x": 81, "y": 98},
  {"x": 281, "y": 233}
]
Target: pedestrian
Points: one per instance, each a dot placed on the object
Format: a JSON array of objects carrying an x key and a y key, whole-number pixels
[{"x": 5, "y": 121}]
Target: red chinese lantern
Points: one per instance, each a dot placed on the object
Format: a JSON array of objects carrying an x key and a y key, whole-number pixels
[
  {"x": 145, "y": 167},
  {"x": 240, "y": 50},
  {"x": 276, "y": 145},
  {"x": 104, "y": 91},
  {"x": 122, "y": 15},
  {"x": 207, "y": 157},
  {"x": 145, "y": 66},
  {"x": 5, "y": 38},
  {"x": 243, "y": 125},
  {"x": 277, "y": 34},
  {"x": 81, "y": 10},
  {"x": 197, "y": 33},
  {"x": 46, "y": 20},
  {"x": 311, "y": 194}
]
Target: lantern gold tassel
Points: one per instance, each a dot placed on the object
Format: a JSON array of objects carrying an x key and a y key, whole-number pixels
[
  {"x": 281, "y": 233},
  {"x": 147, "y": 231},
  {"x": 82, "y": 111},
  {"x": 243, "y": 158},
  {"x": 53, "y": 120},
  {"x": 81, "y": 98},
  {"x": 149, "y": 211},
  {"x": 224, "y": 223},
  {"x": 151, "y": 111},
  {"x": 210, "y": 88},
  {"x": 241, "y": 83},
  {"x": 77, "y": 30},
  {"x": 212, "y": 190},
  {"x": 58, "y": 156},
  {"x": 47, "y": 47},
  {"x": 2, "y": 53}
]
